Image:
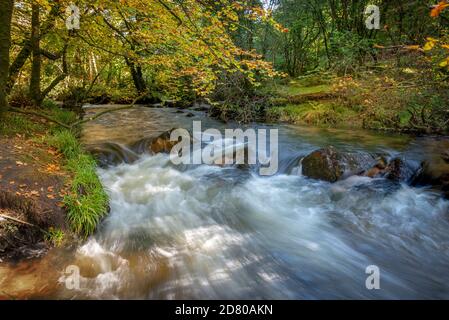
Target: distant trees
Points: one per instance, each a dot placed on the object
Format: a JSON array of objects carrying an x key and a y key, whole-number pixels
[{"x": 332, "y": 33}]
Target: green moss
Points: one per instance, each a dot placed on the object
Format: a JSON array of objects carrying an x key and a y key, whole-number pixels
[
  {"x": 295, "y": 89},
  {"x": 314, "y": 113}
]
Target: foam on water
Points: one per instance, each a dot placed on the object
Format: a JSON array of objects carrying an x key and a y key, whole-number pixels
[{"x": 265, "y": 237}]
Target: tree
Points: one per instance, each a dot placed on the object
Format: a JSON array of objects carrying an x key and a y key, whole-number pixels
[
  {"x": 35, "y": 79},
  {"x": 36, "y": 94},
  {"x": 6, "y": 10}
]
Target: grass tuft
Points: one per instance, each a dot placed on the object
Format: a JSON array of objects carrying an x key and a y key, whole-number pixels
[
  {"x": 55, "y": 237},
  {"x": 66, "y": 143},
  {"x": 87, "y": 203},
  {"x": 12, "y": 124}
]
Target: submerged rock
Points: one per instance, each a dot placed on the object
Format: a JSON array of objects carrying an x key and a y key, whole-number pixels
[
  {"x": 110, "y": 153},
  {"x": 331, "y": 165}
]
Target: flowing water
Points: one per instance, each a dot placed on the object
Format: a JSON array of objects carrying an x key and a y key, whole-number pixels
[{"x": 213, "y": 232}]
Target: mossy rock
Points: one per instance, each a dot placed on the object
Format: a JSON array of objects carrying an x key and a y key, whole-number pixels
[{"x": 331, "y": 165}]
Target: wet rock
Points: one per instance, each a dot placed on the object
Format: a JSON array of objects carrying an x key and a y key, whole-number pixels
[
  {"x": 163, "y": 144},
  {"x": 401, "y": 170},
  {"x": 229, "y": 158},
  {"x": 154, "y": 105},
  {"x": 398, "y": 169},
  {"x": 173, "y": 104},
  {"x": 201, "y": 107},
  {"x": 190, "y": 115},
  {"x": 148, "y": 99},
  {"x": 331, "y": 165},
  {"x": 434, "y": 172},
  {"x": 109, "y": 154},
  {"x": 142, "y": 146},
  {"x": 378, "y": 169}
]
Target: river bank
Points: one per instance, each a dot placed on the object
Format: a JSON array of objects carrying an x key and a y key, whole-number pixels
[
  {"x": 50, "y": 194},
  {"x": 389, "y": 102},
  {"x": 387, "y": 96}
]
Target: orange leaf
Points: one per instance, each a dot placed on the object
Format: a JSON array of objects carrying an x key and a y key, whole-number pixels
[{"x": 439, "y": 8}]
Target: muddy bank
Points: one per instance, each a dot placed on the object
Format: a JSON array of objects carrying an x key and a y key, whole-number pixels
[{"x": 31, "y": 193}]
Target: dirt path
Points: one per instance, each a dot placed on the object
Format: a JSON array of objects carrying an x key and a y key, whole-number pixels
[{"x": 31, "y": 190}]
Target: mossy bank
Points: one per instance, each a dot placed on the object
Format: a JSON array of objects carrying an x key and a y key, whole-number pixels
[{"x": 50, "y": 192}]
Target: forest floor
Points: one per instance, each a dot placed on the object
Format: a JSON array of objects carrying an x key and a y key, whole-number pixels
[{"x": 33, "y": 184}]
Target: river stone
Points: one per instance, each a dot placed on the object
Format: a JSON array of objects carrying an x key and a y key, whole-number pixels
[
  {"x": 163, "y": 144},
  {"x": 378, "y": 170},
  {"x": 398, "y": 169},
  {"x": 110, "y": 154},
  {"x": 331, "y": 165},
  {"x": 435, "y": 172},
  {"x": 401, "y": 170}
]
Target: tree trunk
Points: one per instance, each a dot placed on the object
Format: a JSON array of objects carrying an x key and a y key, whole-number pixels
[
  {"x": 137, "y": 75},
  {"x": 35, "y": 80},
  {"x": 6, "y": 8},
  {"x": 18, "y": 63}
]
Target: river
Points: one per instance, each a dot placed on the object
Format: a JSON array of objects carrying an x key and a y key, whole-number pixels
[{"x": 211, "y": 232}]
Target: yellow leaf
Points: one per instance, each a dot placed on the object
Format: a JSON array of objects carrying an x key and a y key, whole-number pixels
[
  {"x": 429, "y": 46},
  {"x": 416, "y": 47}
]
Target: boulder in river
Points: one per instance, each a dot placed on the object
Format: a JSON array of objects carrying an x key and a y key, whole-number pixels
[
  {"x": 163, "y": 144},
  {"x": 331, "y": 165},
  {"x": 398, "y": 169},
  {"x": 435, "y": 172},
  {"x": 110, "y": 153},
  {"x": 401, "y": 170}
]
